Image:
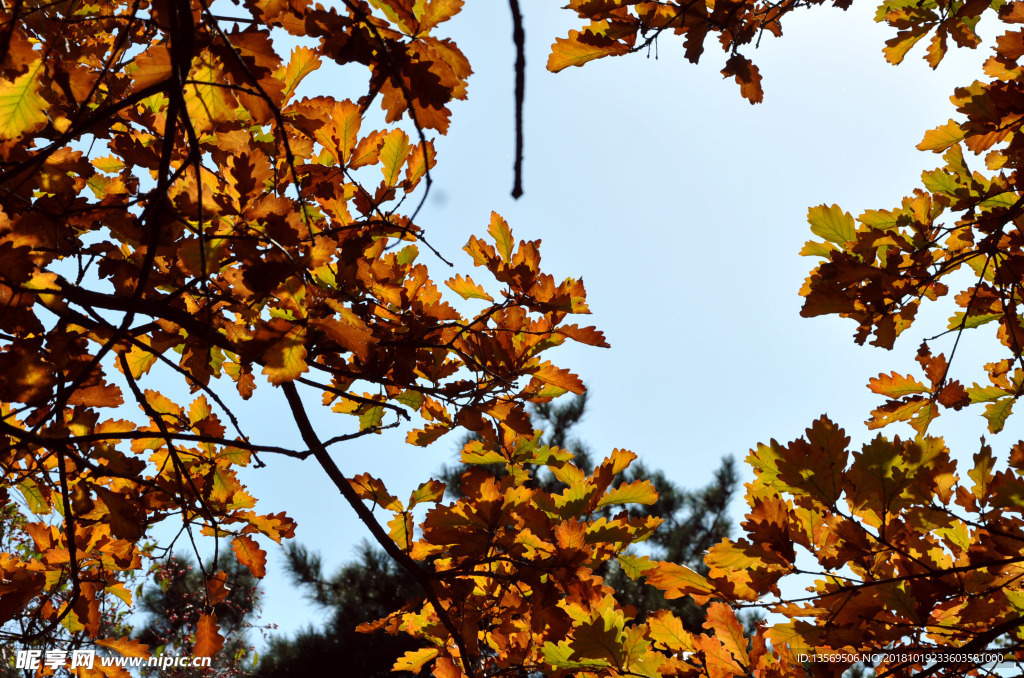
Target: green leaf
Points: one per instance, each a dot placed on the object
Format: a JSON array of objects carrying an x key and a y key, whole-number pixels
[
  {"x": 371, "y": 418},
  {"x": 34, "y": 497},
  {"x": 985, "y": 394},
  {"x": 832, "y": 224},
  {"x": 997, "y": 412},
  {"x": 972, "y": 320},
  {"x": 938, "y": 181},
  {"x": 634, "y": 566},
  {"x": 560, "y": 656},
  {"x": 411, "y": 399}
]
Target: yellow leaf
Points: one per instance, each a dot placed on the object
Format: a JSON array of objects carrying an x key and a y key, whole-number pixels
[
  {"x": 207, "y": 98},
  {"x": 303, "y": 62},
  {"x": 678, "y": 580},
  {"x": 21, "y": 107},
  {"x": 286, "y": 359},
  {"x": 414, "y": 660},
  {"x": 401, "y": 530},
  {"x": 126, "y": 647},
  {"x": 941, "y": 138},
  {"x": 667, "y": 629},
  {"x": 636, "y": 492},
  {"x": 579, "y": 48},
  {"x": 468, "y": 289},
  {"x": 502, "y": 235},
  {"x": 832, "y": 224},
  {"x": 393, "y": 154}
]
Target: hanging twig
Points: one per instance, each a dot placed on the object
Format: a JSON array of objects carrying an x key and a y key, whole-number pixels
[{"x": 519, "y": 37}]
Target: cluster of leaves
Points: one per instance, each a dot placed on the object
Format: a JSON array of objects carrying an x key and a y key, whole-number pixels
[
  {"x": 373, "y": 585},
  {"x": 615, "y": 28},
  {"x": 881, "y": 266},
  {"x": 174, "y": 219}
]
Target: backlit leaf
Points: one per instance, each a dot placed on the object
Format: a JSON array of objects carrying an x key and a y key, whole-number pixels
[
  {"x": 21, "y": 107},
  {"x": 249, "y": 553}
]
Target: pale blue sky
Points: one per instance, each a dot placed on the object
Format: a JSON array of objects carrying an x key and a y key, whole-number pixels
[{"x": 683, "y": 209}]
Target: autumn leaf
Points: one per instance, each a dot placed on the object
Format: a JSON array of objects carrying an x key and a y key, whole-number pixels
[
  {"x": 401, "y": 530},
  {"x": 430, "y": 491},
  {"x": 126, "y": 647},
  {"x": 896, "y": 386},
  {"x": 832, "y": 224},
  {"x": 727, "y": 629},
  {"x": 667, "y": 629},
  {"x": 21, "y": 107},
  {"x": 415, "y": 660},
  {"x": 579, "y": 48},
  {"x": 941, "y": 138},
  {"x": 126, "y": 514},
  {"x": 303, "y": 62},
  {"x": 636, "y": 492},
  {"x": 561, "y": 378},
  {"x": 747, "y": 76},
  {"x": 372, "y": 489},
  {"x": 678, "y": 580},
  {"x": 393, "y": 154},
  {"x": 209, "y": 640},
  {"x": 286, "y": 359},
  {"x": 499, "y": 230},
  {"x": 249, "y": 553},
  {"x": 467, "y": 289}
]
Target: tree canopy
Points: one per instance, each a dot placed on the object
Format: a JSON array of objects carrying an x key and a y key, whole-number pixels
[
  {"x": 175, "y": 218},
  {"x": 372, "y": 585}
]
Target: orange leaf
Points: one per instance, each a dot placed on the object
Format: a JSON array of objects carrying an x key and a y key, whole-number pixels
[
  {"x": 941, "y": 138},
  {"x": 585, "y": 335},
  {"x": 209, "y": 640},
  {"x": 723, "y": 623},
  {"x": 502, "y": 235},
  {"x": 126, "y": 647},
  {"x": 565, "y": 379},
  {"x": 678, "y": 580},
  {"x": 579, "y": 48},
  {"x": 896, "y": 386},
  {"x": 249, "y": 553},
  {"x": 368, "y": 487}
]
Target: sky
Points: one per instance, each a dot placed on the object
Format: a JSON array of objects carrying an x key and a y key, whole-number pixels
[{"x": 683, "y": 209}]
